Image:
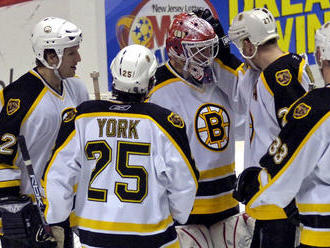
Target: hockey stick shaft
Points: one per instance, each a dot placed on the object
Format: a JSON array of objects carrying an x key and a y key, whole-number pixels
[
  {"x": 33, "y": 181},
  {"x": 95, "y": 76}
]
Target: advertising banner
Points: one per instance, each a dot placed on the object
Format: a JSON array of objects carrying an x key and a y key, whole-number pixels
[
  {"x": 11, "y": 2},
  {"x": 146, "y": 22}
]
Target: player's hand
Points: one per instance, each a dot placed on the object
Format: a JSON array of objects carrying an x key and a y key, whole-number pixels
[
  {"x": 224, "y": 40},
  {"x": 58, "y": 233},
  {"x": 247, "y": 185},
  {"x": 21, "y": 222}
]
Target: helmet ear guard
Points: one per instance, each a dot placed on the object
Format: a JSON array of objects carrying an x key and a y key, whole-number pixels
[
  {"x": 54, "y": 33},
  {"x": 133, "y": 70},
  {"x": 258, "y": 25}
]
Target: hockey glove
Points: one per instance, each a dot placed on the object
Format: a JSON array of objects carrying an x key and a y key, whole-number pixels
[
  {"x": 247, "y": 185},
  {"x": 63, "y": 234},
  {"x": 292, "y": 212},
  {"x": 224, "y": 41},
  {"x": 21, "y": 222}
]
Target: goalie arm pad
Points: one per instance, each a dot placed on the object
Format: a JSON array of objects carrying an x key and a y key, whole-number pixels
[
  {"x": 218, "y": 29},
  {"x": 247, "y": 185},
  {"x": 21, "y": 221},
  {"x": 224, "y": 53}
]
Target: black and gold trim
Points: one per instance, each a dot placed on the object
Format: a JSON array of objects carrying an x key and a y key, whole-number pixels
[
  {"x": 316, "y": 105},
  {"x": 19, "y": 100},
  {"x": 283, "y": 80}
]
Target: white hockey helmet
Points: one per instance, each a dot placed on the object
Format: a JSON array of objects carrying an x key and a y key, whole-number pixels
[
  {"x": 133, "y": 70},
  {"x": 258, "y": 25},
  {"x": 322, "y": 41},
  {"x": 54, "y": 33}
]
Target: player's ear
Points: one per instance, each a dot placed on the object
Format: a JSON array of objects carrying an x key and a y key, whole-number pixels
[
  {"x": 51, "y": 58},
  {"x": 248, "y": 47}
]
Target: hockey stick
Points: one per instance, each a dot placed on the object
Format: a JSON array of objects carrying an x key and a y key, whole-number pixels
[
  {"x": 34, "y": 184},
  {"x": 95, "y": 76}
]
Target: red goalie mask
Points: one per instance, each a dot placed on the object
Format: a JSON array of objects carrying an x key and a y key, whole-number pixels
[{"x": 192, "y": 39}]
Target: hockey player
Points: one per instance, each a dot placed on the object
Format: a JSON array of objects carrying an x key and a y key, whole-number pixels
[
  {"x": 188, "y": 84},
  {"x": 131, "y": 161},
  {"x": 273, "y": 81},
  {"x": 296, "y": 165},
  {"x": 32, "y": 106}
]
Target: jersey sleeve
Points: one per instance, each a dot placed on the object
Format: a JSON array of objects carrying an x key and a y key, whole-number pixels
[
  {"x": 180, "y": 171},
  {"x": 291, "y": 157},
  {"x": 17, "y": 103},
  {"x": 62, "y": 171},
  {"x": 284, "y": 81},
  {"x": 226, "y": 77}
]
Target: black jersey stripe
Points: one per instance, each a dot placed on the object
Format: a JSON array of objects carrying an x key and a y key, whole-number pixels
[
  {"x": 316, "y": 221},
  {"x": 123, "y": 241},
  {"x": 215, "y": 187},
  {"x": 210, "y": 219}
]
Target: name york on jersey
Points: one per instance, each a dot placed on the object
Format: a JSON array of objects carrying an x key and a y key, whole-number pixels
[{"x": 121, "y": 128}]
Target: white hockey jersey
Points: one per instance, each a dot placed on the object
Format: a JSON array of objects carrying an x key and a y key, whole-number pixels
[
  {"x": 208, "y": 114},
  {"x": 297, "y": 166},
  {"x": 134, "y": 174},
  {"x": 30, "y": 107},
  {"x": 268, "y": 96}
]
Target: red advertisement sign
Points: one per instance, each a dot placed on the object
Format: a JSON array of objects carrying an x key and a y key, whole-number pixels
[{"x": 11, "y": 2}]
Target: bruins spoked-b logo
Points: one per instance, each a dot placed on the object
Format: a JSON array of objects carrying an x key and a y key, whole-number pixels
[{"x": 212, "y": 126}]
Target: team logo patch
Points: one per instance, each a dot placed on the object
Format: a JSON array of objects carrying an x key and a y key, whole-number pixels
[
  {"x": 48, "y": 29},
  {"x": 13, "y": 105},
  {"x": 212, "y": 126},
  {"x": 301, "y": 111},
  {"x": 176, "y": 120},
  {"x": 69, "y": 114},
  {"x": 283, "y": 77}
]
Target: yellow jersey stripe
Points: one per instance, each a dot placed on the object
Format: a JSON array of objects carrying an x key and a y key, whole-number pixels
[
  {"x": 214, "y": 205},
  {"x": 217, "y": 172},
  {"x": 320, "y": 208},
  {"x": 263, "y": 79},
  {"x": 12, "y": 183},
  {"x": 315, "y": 238}
]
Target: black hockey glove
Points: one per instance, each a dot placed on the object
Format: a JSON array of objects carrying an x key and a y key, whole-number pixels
[
  {"x": 247, "y": 185},
  {"x": 224, "y": 41},
  {"x": 292, "y": 212},
  {"x": 21, "y": 222}
]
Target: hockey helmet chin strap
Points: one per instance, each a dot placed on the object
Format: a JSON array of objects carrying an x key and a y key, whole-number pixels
[
  {"x": 54, "y": 67},
  {"x": 249, "y": 58}
]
